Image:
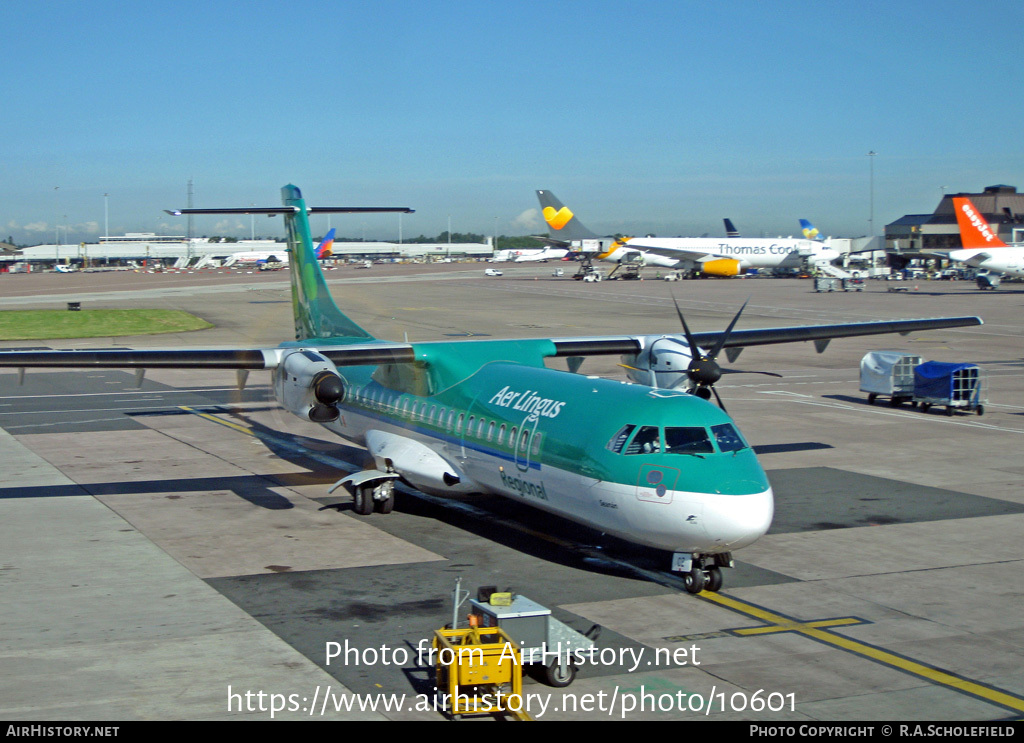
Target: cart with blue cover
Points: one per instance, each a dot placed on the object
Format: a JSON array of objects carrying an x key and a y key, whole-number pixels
[{"x": 957, "y": 386}]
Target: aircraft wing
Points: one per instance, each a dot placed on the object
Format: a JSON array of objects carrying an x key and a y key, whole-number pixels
[
  {"x": 205, "y": 358},
  {"x": 977, "y": 260},
  {"x": 360, "y": 354},
  {"x": 820, "y": 334},
  {"x": 551, "y": 241},
  {"x": 698, "y": 256}
]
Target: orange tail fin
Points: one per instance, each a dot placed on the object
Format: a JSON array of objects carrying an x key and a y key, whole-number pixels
[{"x": 975, "y": 231}]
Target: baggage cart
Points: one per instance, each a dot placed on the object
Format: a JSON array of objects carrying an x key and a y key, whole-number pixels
[
  {"x": 957, "y": 386},
  {"x": 826, "y": 284},
  {"x": 889, "y": 373}
]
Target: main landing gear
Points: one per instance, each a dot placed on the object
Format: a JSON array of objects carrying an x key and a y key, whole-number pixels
[
  {"x": 370, "y": 497},
  {"x": 372, "y": 490},
  {"x": 701, "y": 572}
]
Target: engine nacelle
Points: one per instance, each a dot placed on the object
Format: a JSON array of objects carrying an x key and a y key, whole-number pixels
[
  {"x": 662, "y": 363},
  {"x": 308, "y": 385},
  {"x": 723, "y": 267}
]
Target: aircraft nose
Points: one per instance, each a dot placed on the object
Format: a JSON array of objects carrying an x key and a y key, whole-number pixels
[{"x": 739, "y": 520}]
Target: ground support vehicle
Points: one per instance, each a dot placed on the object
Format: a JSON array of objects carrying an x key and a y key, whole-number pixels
[
  {"x": 543, "y": 640},
  {"x": 472, "y": 665},
  {"x": 988, "y": 280},
  {"x": 889, "y": 373},
  {"x": 957, "y": 386}
]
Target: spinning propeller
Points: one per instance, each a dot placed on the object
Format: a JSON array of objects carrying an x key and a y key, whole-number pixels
[
  {"x": 703, "y": 369},
  {"x": 666, "y": 362}
]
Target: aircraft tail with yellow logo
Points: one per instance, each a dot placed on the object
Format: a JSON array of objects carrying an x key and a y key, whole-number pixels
[{"x": 563, "y": 225}]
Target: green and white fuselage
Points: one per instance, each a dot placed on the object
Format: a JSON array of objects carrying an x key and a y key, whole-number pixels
[{"x": 568, "y": 444}]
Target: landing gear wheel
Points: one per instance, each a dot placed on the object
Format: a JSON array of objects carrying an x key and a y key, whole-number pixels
[
  {"x": 871, "y": 398},
  {"x": 386, "y": 505},
  {"x": 363, "y": 500},
  {"x": 714, "y": 582},
  {"x": 949, "y": 411},
  {"x": 980, "y": 410},
  {"x": 560, "y": 676},
  {"x": 925, "y": 406},
  {"x": 694, "y": 581}
]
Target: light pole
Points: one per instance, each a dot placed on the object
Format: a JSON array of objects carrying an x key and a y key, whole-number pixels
[
  {"x": 871, "y": 217},
  {"x": 106, "y": 215}
]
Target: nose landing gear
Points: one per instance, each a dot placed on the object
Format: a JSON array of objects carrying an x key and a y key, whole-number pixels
[{"x": 701, "y": 572}]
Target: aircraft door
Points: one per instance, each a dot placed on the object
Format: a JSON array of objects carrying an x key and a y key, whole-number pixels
[{"x": 524, "y": 442}]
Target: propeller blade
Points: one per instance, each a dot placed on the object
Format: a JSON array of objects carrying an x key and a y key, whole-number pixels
[
  {"x": 694, "y": 350},
  {"x": 746, "y": 371},
  {"x": 728, "y": 330},
  {"x": 720, "y": 403}
]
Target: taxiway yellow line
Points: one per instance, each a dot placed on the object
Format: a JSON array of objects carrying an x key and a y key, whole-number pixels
[
  {"x": 816, "y": 630},
  {"x": 241, "y": 429}
]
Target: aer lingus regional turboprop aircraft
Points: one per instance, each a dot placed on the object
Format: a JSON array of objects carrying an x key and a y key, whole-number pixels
[{"x": 654, "y": 462}]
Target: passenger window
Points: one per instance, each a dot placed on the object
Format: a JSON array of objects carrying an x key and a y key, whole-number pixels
[
  {"x": 458, "y": 423},
  {"x": 469, "y": 425},
  {"x": 687, "y": 440},
  {"x": 490, "y": 431},
  {"x": 536, "y": 445},
  {"x": 646, "y": 441},
  {"x": 619, "y": 440},
  {"x": 512, "y": 438},
  {"x": 501, "y": 434}
]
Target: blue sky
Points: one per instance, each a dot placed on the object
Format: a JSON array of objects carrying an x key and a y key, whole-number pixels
[{"x": 644, "y": 117}]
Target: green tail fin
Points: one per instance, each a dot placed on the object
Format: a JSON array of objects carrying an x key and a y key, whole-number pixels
[{"x": 316, "y": 314}]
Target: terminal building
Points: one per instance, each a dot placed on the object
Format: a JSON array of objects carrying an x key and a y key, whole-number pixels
[
  {"x": 913, "y": 235},
  {"x": 136, "y": 249}
]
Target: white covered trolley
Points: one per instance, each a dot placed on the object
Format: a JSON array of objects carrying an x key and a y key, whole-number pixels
[{"x": 890, "y": 374}]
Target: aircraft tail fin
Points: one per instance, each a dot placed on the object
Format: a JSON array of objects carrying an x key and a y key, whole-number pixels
[
  {"x": 562, "y": 223},
  {"x": 326, "y": 247},
  {"x": 975, "y": 231},
  {"x": 810, "y": 231},
  {"x": 316, "y": 314},
  {"x": 730, "y": 228}
]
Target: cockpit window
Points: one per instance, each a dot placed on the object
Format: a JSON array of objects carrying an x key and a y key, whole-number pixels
[
  {"x": 619, "y": 440},
  {"x": 687, "y": 440},
  {"x": 728, "y": 438},
  {"x": 646, "y": 441}
]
